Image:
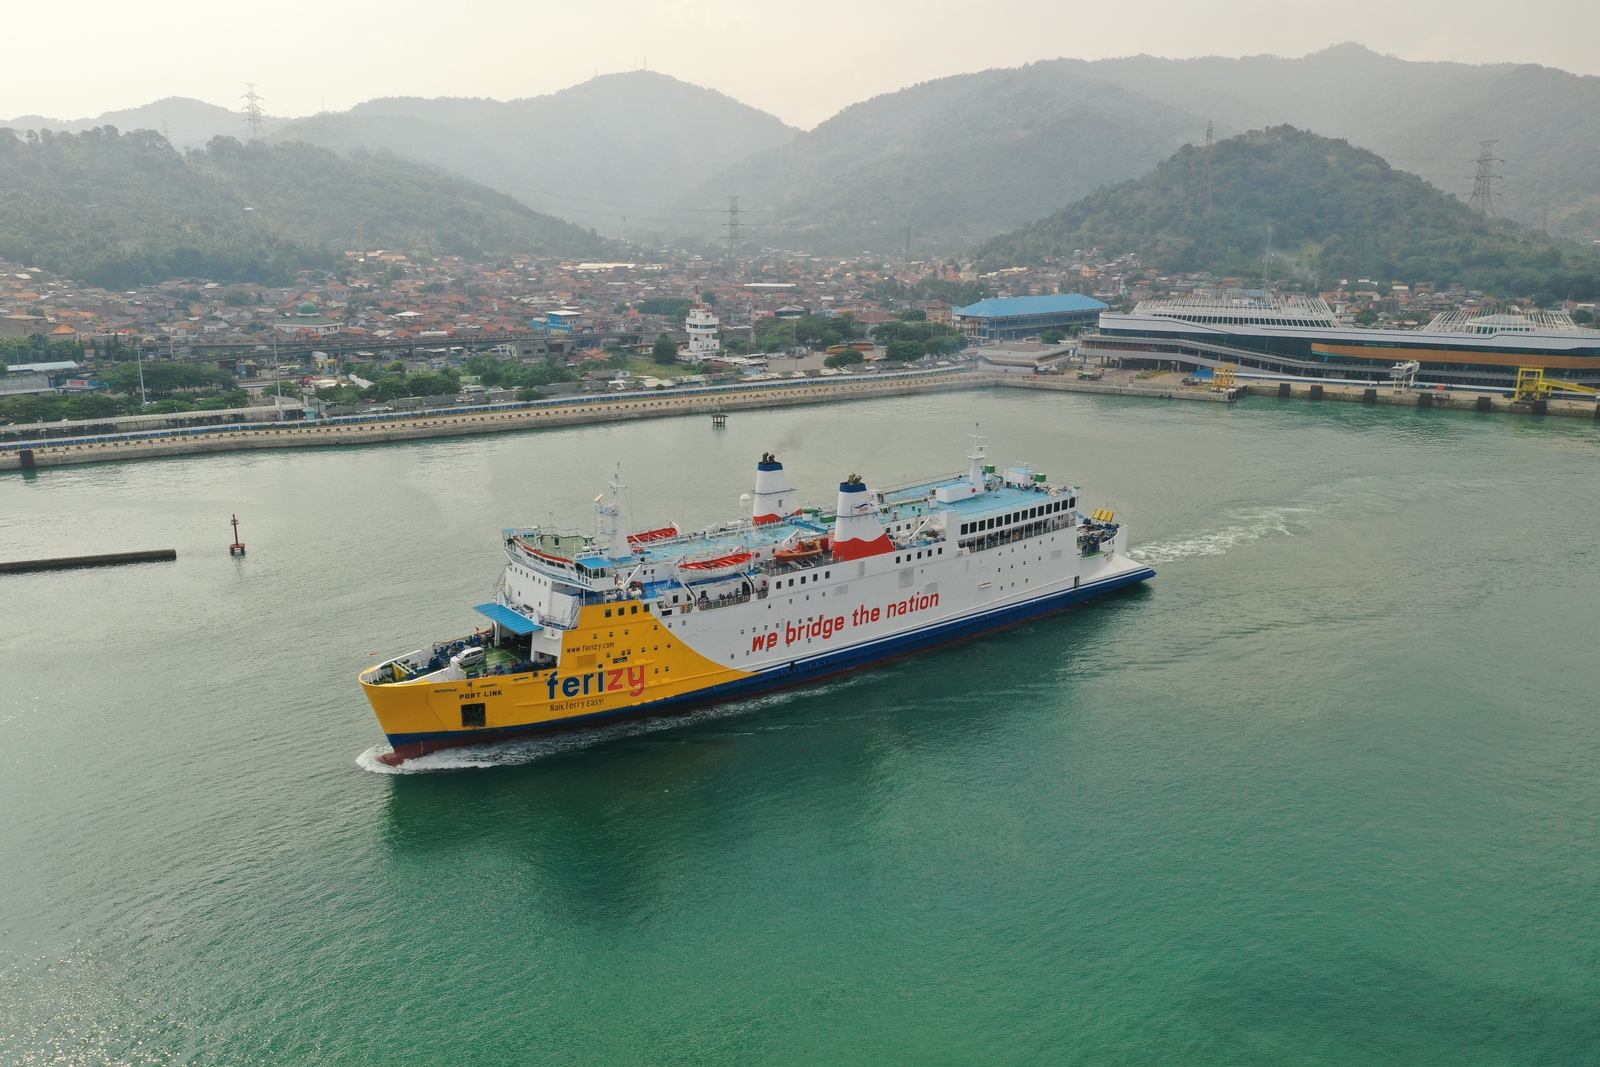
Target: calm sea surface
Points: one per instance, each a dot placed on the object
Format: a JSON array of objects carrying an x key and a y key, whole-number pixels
[{"x": 1326, "y": 791}]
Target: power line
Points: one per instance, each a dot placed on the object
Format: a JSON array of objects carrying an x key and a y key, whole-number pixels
[
  {"x": 1483, "y": 194},
  {"x": 253, "y": 115},
  {"x": 735, "y": 241}
]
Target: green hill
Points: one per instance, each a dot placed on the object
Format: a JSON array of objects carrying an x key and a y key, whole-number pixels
[
  {"x": 1336, "y": 211},
  {"x": 1426, "y": 118},
  {"x": 122, "y": 209}
]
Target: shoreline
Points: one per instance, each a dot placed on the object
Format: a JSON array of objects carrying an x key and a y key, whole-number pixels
[{"x": 626, "y": 406}]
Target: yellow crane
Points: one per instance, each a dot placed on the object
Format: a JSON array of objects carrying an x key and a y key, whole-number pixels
[{"x": 1533, "y": 385}]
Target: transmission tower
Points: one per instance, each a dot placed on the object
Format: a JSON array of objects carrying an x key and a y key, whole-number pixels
[
  {"x": 1483, "y": 194},
  {"x": 253, "y": 115},
  {"x": 735, "y": 242},
  {"x": 1208, "y": 166}
]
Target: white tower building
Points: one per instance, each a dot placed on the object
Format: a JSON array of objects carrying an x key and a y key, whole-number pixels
[{"x": 702, "y": 326}]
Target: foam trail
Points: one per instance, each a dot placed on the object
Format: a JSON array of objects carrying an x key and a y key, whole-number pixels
[
  {"x": 521, "y": 750},
  {"x": 1247, "y": 527}
]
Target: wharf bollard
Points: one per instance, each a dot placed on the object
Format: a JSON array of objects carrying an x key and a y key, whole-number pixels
[
  {"x": 1369, "y": 396},
  {"x": 1316, "y": 392},
  {"x": 1485, "y": 404},
  {"x": 25, "y": 456},
  {"x": 1424, "y": 400},
  {"x": 1283, "y": 389}
]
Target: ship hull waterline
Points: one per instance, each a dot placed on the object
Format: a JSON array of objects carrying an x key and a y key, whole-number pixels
[{"x": 802, "y": 671}]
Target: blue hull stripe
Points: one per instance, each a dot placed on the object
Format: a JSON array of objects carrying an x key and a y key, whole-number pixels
[{"x": 807, "y": 669}]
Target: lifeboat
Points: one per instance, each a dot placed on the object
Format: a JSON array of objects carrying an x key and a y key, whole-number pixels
[
  {"x": 639, "y": 539},
  {"x": 698, "y": 570},
  {"x": 801, "y": 551}
]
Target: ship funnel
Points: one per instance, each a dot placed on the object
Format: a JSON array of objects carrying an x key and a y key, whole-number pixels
[
  {"x": 773, "y": 500},
  {"x": 857, "y": 533}
]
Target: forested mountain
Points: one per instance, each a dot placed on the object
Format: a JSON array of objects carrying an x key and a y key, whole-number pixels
[
  {"x": 1426, "y": 118},
  {"x": 958, "y": 156},
  {"x": 951, "y": 160},
  {"x": 617, "y": 145},
  {"x": 1336, "y": 211},
  {"x": 185, "y": 122},
  {"x": 119, "y": 209}
]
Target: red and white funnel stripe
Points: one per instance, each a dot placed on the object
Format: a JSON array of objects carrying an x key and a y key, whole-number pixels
[
  {"x": 857, "y": 533},
  {"x": 773, "y": 500}
]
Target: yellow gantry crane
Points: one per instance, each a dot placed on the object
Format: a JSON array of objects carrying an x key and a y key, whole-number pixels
[
  {"x": 1222, "y": 377},
  {"x": 1533, "y": 385}
]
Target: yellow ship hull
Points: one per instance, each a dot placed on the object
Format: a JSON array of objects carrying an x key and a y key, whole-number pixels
[{"x": 609, "y": 668}]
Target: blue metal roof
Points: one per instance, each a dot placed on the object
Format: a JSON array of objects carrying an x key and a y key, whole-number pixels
[
  {"x": 511, "y": 620},
  {"x": 1058, "y": 303}
]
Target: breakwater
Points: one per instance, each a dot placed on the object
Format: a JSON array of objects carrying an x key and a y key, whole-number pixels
[
  {"x": 365, "y": 430},
  {"x": 105, "y": 559}
]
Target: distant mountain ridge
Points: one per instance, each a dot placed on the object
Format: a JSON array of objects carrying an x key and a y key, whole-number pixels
[
  {"x": 616, "y": 146},
  {"x": 185, "y": 122},
  {"x": 940, "y": 164},
  {"x": 946, "y": 163},
  {"x": 1335, "y": 211},
  {"x": 1009, "y": 140}
]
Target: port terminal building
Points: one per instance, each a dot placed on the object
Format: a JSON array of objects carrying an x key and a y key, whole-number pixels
[
  {"x": 1298, "y": 338},
  {"x": 1013, "y": 318}
]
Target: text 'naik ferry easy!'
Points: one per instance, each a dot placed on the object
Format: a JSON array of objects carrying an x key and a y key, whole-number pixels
[{"x": 585, "y": 627}]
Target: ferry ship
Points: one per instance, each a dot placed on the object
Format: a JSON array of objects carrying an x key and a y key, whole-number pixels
[{"x": 586, "y": 627}]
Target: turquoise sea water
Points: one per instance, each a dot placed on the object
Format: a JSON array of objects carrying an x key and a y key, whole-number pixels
[{"x": 1324, "y": 792}]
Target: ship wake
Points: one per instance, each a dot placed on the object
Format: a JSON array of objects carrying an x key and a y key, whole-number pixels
[{"x": 1245, "y": 528}]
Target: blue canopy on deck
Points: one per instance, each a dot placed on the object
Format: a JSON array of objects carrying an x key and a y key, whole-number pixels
[{"x": 515, "y": 622}]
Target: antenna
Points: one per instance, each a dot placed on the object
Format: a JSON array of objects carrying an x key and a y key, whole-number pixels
[
  {"x": 1483, "y": 194},
  {"x": 1208, "y": 165},
  {"x": 252, "y": 110},
  {"x": 735, "y": 242}
]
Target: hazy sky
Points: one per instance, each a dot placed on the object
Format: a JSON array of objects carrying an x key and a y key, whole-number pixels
[{"x": 800, "y": 59}]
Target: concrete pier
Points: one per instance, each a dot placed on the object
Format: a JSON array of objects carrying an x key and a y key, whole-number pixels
[{"x": 1456, "y": 399}]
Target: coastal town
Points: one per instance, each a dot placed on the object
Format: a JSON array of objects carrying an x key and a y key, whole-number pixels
[{"x": 394, "y": 330}]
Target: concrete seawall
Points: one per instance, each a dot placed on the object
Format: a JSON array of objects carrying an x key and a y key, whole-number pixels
[{"x": 449, "y": 424}]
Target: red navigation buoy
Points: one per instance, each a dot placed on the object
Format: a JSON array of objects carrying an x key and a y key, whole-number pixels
[{"x": 237, "y": 548}]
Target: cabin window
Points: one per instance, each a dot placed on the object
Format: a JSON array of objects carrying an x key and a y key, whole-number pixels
[
  {"x": 635, "y": 610},
  {"x": 473, "y": 716},
  {"x": 608, "y": 613},
  {"x": 802, "y": 579}
]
